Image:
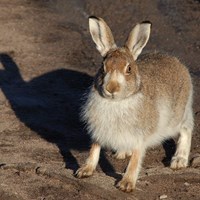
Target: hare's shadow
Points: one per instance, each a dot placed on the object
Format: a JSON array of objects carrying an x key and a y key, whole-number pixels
[
  {"x": 48, "y": 105},
  {"x": 169, "y": 146}
]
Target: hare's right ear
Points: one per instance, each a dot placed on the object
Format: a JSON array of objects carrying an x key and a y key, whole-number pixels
[
  {"x": 138, "y": 38},
  {"x": 101, "y": 35}
]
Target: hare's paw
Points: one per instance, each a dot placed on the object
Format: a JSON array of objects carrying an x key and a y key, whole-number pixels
[
  {"x": 84, "y": 171},
  {"x": 178, "y": 162},
  {"x": 126, "y": 185},
  {"x": 122, "y": 155}
]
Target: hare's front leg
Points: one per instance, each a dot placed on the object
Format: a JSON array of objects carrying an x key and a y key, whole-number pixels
[
  {"x": 127, "y": 184},
  {"x": 88, "y": 168}
]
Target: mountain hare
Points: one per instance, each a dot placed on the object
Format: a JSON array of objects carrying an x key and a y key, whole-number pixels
[{"x": 136, "y": 103}]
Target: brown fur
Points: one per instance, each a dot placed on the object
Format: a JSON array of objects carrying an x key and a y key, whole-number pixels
[
  {"x": 117, "y": 60},
  {"x": 164, "y": 77}
]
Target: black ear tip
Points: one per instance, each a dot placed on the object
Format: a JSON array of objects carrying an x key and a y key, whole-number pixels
[
  {"x": 147, "y": 22},
  {"x": 93, "y": 17}
]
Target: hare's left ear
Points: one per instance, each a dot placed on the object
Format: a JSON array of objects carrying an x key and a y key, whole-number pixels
[
  {"x": 138, "y": 38},
  {"x": 101, "y": 35}
]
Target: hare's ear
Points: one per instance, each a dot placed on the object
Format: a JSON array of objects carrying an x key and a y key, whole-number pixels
[
  {"x": 101, "y": 35},
  {"x": 138, "y": 38}
]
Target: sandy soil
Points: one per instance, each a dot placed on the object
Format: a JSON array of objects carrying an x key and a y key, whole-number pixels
[{"x": 47, "y": 60}]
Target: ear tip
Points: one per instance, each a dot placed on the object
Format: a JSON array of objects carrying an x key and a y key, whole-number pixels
[
  {"x": 93, "y": 17},
  {"x": 147, "y": 22}
]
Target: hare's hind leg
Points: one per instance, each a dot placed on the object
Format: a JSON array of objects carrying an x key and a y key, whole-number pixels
[
  {"x": 180, "y": 158},
  {"x": 120, "y": 155}
]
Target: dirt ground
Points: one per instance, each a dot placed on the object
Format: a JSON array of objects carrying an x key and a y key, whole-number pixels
[{"x": 47, "y": 61}]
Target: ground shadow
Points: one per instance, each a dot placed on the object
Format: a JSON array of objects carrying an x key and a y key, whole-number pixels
[
  {"x": 107, "y": 167},
  {"x": 169, "y": 147},
  {"x": 49, "y": 105}
]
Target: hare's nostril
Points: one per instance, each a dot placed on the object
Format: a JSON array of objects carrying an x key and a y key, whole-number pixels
[
  {"x": 109, "y": 89},
  {"x": 112, "y": 87}
]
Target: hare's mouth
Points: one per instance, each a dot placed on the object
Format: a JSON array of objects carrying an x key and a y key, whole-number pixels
[
  {"x": 113, "y": 96},
  {"x": 108, "y": 95},
  {"x": 116, "y": 96}
]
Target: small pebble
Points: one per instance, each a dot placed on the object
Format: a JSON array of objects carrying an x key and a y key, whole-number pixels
[
  {"x": 186, "y": 184},
  {"x": 164, "y": 196},
  {"x": 195, "y": 161}
]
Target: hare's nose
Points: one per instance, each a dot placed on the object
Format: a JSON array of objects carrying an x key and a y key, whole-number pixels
[{"x": 112, "y": 87}]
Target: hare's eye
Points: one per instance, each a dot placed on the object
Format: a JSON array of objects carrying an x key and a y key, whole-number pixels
[{"x": 128, "y": 69}]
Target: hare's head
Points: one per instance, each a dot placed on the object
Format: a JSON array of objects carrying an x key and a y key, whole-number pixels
[{"x": 118, "y": 78}]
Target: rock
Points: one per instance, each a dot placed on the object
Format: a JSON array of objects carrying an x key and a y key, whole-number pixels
[
  {"x": 195, "y": 161},
  {"x": 164, "y": 196},
  {"x": 186, "y": 184}
]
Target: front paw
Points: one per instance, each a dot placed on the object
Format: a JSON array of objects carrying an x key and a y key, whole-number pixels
[
  {"x": 178, "y": 162},
  {"x": 84, "y": 172},
  {"x": 126, "y": 185}
]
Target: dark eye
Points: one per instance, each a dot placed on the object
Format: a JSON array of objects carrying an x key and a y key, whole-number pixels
[{"x": 128, "y": 69}]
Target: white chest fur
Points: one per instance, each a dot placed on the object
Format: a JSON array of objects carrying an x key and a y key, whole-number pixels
[{"x": 113, "y": 124}]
